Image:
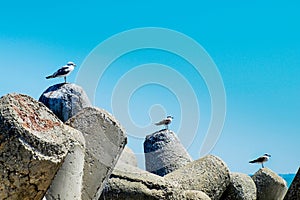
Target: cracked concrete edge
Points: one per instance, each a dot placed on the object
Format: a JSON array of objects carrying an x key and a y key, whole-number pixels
[
  {"x": 105, "y": 141},
  {"x": 67, "y": 183},
  {"x": 33, "y": 146}
]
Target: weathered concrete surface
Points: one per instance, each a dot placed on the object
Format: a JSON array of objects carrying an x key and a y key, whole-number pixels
[
  {"x": 195, "y": 195},
  {"x": 131, "y": 183},
  {"x": 67, "y": 183},
  {"x": 294, "y": 191},
  {"x": 241, "y": 187},
  {"x": 65, "y": 100},
  {"x": 269, "y": 185},
  {"x": 208, "y": 174},
  {"x": 105, "y": 140},
  {"x": 33, "y": 145},
  {"x": 164, "y": 153},
  {"x": 127, "y": 157}
]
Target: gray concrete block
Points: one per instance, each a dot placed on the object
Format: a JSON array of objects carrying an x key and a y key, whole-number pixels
[
  {"x": 241, "y": 187},
  {"x": 294, "y": 190},
  {"x": 269, "y": 185},
  {"x": 33, "y": 145},
  {"x": 67, "y": 184},
  {"x": 131, "y": 183},
  {"x": 127, "y": 157},
  {"x": 208, "y": 174},
  {"x": 105, "y": 140},
  {"x": 195, "y": 195},
  {"x": 164, "y": 153},
  {"x": 65, "y": 100}
]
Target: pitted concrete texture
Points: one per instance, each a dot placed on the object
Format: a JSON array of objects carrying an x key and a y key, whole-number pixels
[
  {"x": 208, "y": 174},
  {"x": 294, "y": 190},
  {"x": 105, "y": 141},
  {"x": 67, "y": 183},
  {"x": 164, "y": 153},
  {"x": 127, "y": 157},
  {"x": 33, "y": 145},
  {"x": 241, "y": 187},
  {"x": 269, "y": 185},
  {"x": 65, "y": 100},
  {"x": 129, "y": 182}
]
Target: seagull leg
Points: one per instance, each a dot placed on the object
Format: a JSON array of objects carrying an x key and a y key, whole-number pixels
[
  {"x": 262, "y": 164},
  {"x": 65, "y": 79}
]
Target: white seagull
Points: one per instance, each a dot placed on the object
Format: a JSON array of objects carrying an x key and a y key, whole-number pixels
[
  {"x": 63, "y": 71},
  {"x": 261, "y": 159},
  {"x": 165, "y": 122}
]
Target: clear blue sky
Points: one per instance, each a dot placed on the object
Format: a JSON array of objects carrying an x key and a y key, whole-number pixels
[{"x": 255, "y": 45}]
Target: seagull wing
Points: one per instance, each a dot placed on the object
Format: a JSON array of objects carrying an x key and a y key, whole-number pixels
[
  {"x": 163, "y": 122},
  {"x": 258, "y": 160},
  {"x": 253, "y": 161},
  {"x": 62, "y": 71},
  {"x": 160, "y": 123}
]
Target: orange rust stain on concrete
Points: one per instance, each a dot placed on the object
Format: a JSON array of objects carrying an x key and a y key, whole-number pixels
[{"x": 31, "y": 120}]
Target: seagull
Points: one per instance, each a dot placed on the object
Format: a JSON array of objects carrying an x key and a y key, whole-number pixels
[
  {"x": 63, "y": 71},
  {"x": 165, "y": 122},
  {"x": 261, "y": 159}
]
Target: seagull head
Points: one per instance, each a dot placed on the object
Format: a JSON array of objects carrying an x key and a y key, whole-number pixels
[
  {"x": 71, "y": 64},
  {"x": 169, "y": 117},
  {"x": 268, "y": 155}
]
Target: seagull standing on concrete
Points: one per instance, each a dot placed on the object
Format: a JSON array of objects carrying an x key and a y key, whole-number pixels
[
  {"x": 261, "y": 159},
  {"x": 63, "y": 71},
  {"x": 165, "y": 122}
]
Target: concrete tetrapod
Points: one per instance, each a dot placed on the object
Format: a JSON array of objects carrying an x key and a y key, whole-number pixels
[
  {"x": 208, "y": 174},
  {"x": 164, "y": 153},
  {"x": 105, "y": 140},
  {"x": 33, "y": 146},
  {"x": 65, "y": 100},
  {"x": 269, "y": 185}
]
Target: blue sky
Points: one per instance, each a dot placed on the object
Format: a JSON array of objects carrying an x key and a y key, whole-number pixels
[{"x": 254, "y": 44}]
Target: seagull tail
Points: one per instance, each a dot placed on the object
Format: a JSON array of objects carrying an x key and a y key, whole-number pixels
[
  {"x": 252, "y": 161},
  {"x": 51, "y": 76}
]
